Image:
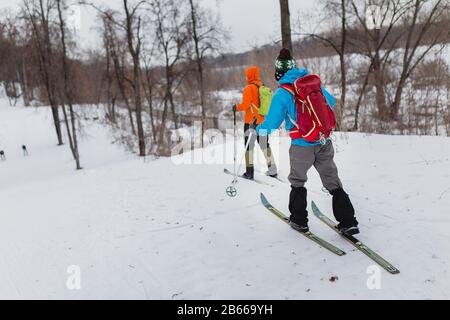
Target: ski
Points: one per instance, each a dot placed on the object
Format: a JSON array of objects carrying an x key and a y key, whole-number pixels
[
  {"x": 358, "y": 244},
  {"x": 254, "y": 180},
  {"x": 275, "y": 178},
  {"x": 278, "y": 179},
  {"x": 308, "y": 234}
]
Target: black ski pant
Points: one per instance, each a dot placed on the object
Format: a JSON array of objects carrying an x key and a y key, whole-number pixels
[{"x": 263, "y": 142}]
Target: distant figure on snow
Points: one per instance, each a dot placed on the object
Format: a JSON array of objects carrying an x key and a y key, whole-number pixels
[
  {"x": 25, "y": 151},
  {"x": 2, "y": 155}
]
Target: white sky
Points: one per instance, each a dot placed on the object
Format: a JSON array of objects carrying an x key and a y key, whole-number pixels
[{"x": 251, "y": 22}]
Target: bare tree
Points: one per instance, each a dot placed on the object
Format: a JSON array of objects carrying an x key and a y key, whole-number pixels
[
  {"x": 425, "y": 15},
  {"x": 133, "y": 33},
  {"x": 337, "y": 40},
  {"x": 13, "y": 56},
  {"x": 117, "y": 55},
  {"x": 206, "y": 36},
  {"x": 66, "y": 94},
  {"x": 37, "y": 14},
  {"x": 373, "y": 44},
  {"x": 172, "y": 37},
  {"x": 117, "y": 49},
  {"x": 8, "y": 54},
  {"x": 148, "y": 86},
  {"x": 111, "y": 95}
]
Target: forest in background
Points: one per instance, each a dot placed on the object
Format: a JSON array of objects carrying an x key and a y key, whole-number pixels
[{"x": 161, "y": 63}]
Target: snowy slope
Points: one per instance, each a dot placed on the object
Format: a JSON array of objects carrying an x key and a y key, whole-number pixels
[{"x": 162, "y": 230}]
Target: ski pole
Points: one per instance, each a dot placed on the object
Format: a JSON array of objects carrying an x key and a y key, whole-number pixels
[
  {"x": 231, "y": 190},
  {"x": 243, "y": 155},
  {"x": 235, "y": 147}
]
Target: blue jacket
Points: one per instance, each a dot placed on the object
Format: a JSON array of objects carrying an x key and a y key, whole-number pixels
[{"x": 283, "y": 103}]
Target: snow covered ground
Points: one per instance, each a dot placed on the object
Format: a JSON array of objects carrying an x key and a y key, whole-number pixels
[{"x": 156, "y": 229}]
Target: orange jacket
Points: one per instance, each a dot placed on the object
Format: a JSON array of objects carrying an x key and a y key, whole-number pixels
[{"x": 250, "y": 97}]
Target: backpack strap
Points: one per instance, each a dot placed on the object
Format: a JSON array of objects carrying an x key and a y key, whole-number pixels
[
  {"x": 252, "y": 105},
  {"x": 290, "y": 88}
]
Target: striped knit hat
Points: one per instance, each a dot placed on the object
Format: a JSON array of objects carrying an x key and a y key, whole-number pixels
[{"x": 284, "y": 63}]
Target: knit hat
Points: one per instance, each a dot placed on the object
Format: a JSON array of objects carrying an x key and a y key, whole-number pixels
[{"x": 284, "y": 63}]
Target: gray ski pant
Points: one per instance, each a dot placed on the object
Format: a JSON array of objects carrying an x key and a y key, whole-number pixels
[{"x": 321, "y": 157}]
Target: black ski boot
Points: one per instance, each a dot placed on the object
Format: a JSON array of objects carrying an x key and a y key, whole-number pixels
[
  {"x": 272, "y": 175},
  {"x": 247, "y": 176},
  {"x": 249, "y": 172},
  {"x": 297, "y": 206},
  {"x": 348, "y": 230},
  {"x": 344, "y": 212},
  {"x": 302, "y": 228}
]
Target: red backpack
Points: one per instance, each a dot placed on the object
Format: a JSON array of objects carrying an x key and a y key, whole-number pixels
[{"x": 315, "y": 119}]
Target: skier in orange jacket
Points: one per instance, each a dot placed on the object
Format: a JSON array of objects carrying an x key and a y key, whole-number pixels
[{"x": 250, "y": 105}]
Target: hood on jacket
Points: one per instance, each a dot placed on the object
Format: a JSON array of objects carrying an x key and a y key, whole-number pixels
[
  {"x": 292, "y": 75},
  {"x": 252, "y": 74}
]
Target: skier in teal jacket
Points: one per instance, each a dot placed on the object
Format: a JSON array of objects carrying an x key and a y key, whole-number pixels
[
  {"x": 283, "y": 104},
  {"x": 303, "y": 154}
]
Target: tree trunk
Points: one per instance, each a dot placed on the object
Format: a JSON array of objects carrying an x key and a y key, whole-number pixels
[
  {"x": 22, "y": 79},
  {"x": 379, "y": 87},
  {"x": 57, "y": 123},
  {"x": 48, "y": 67},
  {"x": 135, "y": 54},
  {"x": 358, "y": 103},
  {"x": 342, "y": 65},
  {"x": 397, "y": 98},
  {"x": 138, "y": 103},
  {"x": 67, "y": 95},
  {"x": 69, "y": 134},
  {"x": 75, "y": 139},
  {"x": 378, "y": 78},
  {"x": 199, "y": 62},
  {"x": 110, "y": 108},
  {"x": 149, "y": 95},
  {"x": 118, "y": 70},
  {"x": 286, "y": 25},
  {"x": 43, "y": 48},
  {"x": 169, "y": 95},
  {"x": 172, "y": 108}
]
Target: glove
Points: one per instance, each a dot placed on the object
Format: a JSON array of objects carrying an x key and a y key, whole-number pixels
[{"x": 234, "y": 108}]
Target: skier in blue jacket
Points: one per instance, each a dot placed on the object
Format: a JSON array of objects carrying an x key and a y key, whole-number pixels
[{"x": 303, "y": 154}]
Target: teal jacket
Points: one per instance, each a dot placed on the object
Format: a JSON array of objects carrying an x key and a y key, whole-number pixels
[{"x": 283, "y": 104}]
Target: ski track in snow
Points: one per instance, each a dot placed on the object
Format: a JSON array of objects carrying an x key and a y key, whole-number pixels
[{"x": 157, "y": 230}]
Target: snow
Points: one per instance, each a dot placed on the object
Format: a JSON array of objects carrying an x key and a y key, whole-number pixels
[{"x": 158, "y": 229}]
